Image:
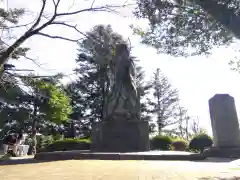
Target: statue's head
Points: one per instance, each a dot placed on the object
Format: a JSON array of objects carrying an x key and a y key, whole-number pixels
[{"x": 122, "y": 48}]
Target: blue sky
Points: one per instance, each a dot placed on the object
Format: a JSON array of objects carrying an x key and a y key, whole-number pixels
[{"x": 196, "y": 78}]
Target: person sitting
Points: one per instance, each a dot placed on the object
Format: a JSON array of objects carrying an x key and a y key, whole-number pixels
[{"x": 12, "y": 141}]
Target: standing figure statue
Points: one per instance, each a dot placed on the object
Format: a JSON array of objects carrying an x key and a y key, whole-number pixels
[{"x": 123, "y": 100}]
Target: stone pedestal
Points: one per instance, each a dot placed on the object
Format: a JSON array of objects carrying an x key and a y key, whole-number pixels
[
  {"x": 222, "y": 152},
  {"x": 120, "y": 136},
  {"x": 225, "y": 126}
]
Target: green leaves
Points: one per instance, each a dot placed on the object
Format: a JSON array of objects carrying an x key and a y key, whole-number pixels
[
  {"x": 53, "y": 102},
  {"x": 180, "y": 29},
  {"x": 11, "y": 15},
  {"x": 137, "y": 31}
]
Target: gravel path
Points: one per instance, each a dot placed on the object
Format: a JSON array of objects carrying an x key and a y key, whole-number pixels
[{"x": 120, "y": 170}]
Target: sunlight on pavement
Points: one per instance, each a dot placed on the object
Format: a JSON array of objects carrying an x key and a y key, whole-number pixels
[{"x": 116, "y": 170}]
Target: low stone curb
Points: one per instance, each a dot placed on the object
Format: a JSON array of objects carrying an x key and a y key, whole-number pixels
[
  {"x": 79, "y": 155},
  {"x": 222, "y": 152}
]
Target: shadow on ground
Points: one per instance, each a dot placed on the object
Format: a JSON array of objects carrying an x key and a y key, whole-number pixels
[
  {"x": 217, "y": 160},
  {"x": 34, "y": 161},
  {"x": 20, "y": 161},
  {"x": 221, "y": 178}
]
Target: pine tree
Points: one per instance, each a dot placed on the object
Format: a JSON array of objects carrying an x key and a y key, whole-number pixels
[
  {"x": 92, "y": 84},
  {"x": 163, "y": 101}
]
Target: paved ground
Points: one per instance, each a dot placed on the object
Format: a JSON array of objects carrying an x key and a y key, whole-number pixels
[
  {"x": 121, "y": 170},
  {"x": 162, "y": 153}
]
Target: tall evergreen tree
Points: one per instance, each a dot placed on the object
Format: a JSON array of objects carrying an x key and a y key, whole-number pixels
[
  {"x": 92, "y": 84},
  {"x": 89, "y": 90},
  {"x": 163, "y": 101},
  {"x": 96, "y": 52}
]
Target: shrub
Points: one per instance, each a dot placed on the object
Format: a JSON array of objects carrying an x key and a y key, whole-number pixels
[
  {"x": 57, "y": 137},
  {"x": 44, "y": 141},
  {"x": 161, "y": 142},
  {"x": 68, "y": 144},
  {"x": 200, "y": 141},
  {"x": 179, "y": 145}
]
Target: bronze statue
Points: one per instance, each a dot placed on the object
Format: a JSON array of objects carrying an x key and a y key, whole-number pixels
[{"x": 123, "y": 101}]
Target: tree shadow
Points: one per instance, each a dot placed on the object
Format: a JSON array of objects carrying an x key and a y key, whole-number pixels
[
  {"x": 221, "y": 178},
  {"x": 22, "y": 161},
  {"x": 34, "y": 161},
  {"x": 217, "y": 160}
]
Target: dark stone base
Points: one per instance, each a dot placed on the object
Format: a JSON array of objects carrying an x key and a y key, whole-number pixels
[
  {"x": 120, "y": 136},
  {"x": 222, "y": 152},
  {"x": 85, "y": 155}
]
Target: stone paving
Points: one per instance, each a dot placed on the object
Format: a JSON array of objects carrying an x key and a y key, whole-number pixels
[
  {"x": 161, "y": 153},
  {"x": 147, "y": 155},
  {"x": 122, "y": 170}
]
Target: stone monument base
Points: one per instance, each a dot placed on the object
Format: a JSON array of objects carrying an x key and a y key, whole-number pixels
[
  {"x": 222, "y": 152},
  {"x": 120, "y": 136}
]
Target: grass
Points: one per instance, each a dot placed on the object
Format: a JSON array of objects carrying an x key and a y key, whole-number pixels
[
  {"x": 236, "y": 169},
  {"x": 112, "y": 170}
]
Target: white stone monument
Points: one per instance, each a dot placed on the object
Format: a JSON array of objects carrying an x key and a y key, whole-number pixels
[
  {"x": 224, "y": 121},
  {"x": 225, "y": 127}
]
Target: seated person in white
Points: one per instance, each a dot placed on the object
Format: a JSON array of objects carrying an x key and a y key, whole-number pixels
[{"x": 13, "y": 141}]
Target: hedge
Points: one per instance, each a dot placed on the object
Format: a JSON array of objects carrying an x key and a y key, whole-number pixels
[
  {"x": 179, "y": 145},
  {"x": 200, "y": 142},
  {"x": 67, "y": 145},
  {"x": 161, "y": 142}
]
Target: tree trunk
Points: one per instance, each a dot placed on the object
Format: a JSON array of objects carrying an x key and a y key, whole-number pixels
[
  {"x": 5, "y": 55},
  {"x": 33, "y": 146}
]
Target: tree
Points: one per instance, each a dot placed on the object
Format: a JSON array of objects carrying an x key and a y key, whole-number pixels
[
  {"x": 91, "y": 88},
  {"x": 96, "y": 53},
  {"x": 183, "y": 119},
  {"x": 187, "y": 27},
  {"x": 42, "y": 22},
  {"x": 144, "y": 89},
  {"x": 225, "y": 12},
  {"x": 49, "y": 104},
  {"x": 187, "y": 126},
  {"x": 49, "y": 101},
  {"x": 43, "y": 103},
  {"x": 164, "y": 100},
  {"x": 89, "y": 91},
  {"x": 13, "y": 111},
  {"x": 7, "y": 19}
]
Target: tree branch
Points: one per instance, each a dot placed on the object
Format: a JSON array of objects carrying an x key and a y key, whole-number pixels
[
  {"x": 100, "y": 8},
  {"x": 34, "y": 30},
  {"x": 56, "y": 4},
  {"x": 12, "y": 27},
  {"x": 68, "y": 25},
  {"x": 36, "y": 63},
  {"x": 70, "y": 7},
  {"x": 40, "y": 15},
  {"x": 57, "y": 37},
  {"x": 75, "y": 28},
  {"x": 92, "y": 3},
  {"x": 27, "y": 76}
]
